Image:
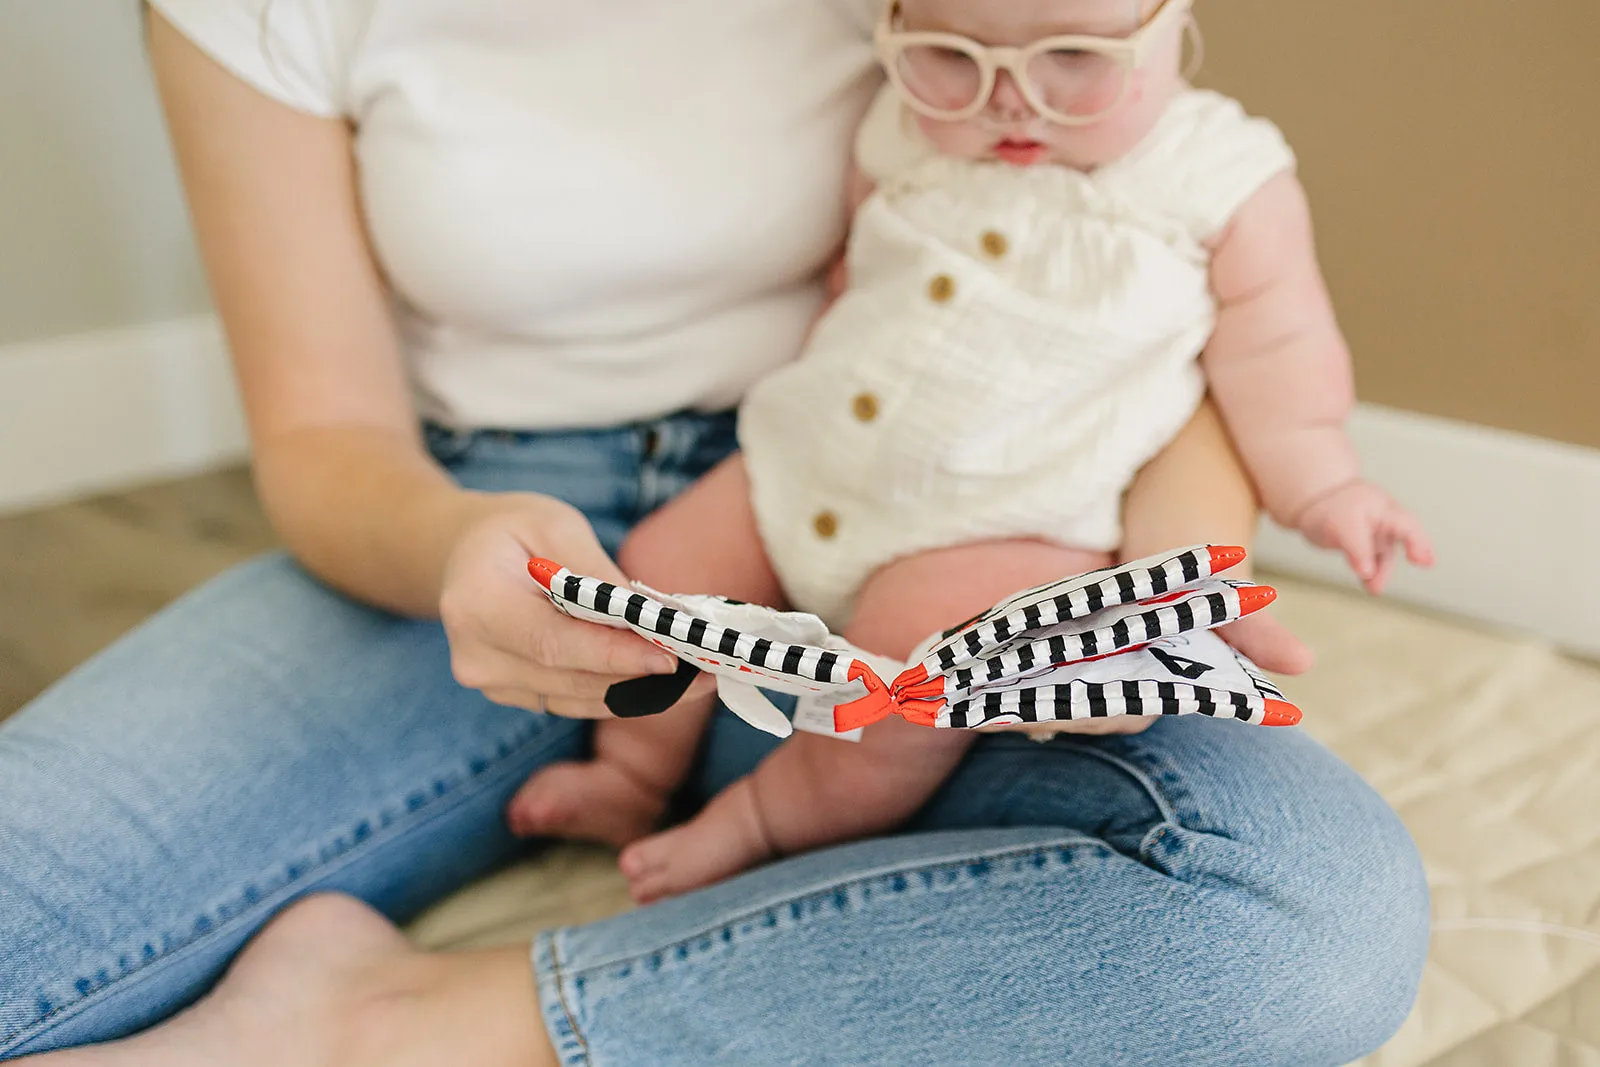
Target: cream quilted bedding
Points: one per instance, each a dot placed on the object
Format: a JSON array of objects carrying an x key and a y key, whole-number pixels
[{"x": 1489, "y": 748}]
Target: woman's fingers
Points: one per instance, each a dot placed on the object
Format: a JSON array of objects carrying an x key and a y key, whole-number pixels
[
  {"x": 487, "y": 668},
  {"x": 575, "y": 646},
  {"x": 1268, "y": 644}
]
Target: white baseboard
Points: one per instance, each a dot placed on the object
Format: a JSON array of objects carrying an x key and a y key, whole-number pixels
[
  {"x": 1516, "y": 519},
  {"x": 94, "y": 412}
]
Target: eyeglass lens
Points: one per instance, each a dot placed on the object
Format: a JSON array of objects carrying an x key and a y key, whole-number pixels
[{"x": 1077, "y": 83}]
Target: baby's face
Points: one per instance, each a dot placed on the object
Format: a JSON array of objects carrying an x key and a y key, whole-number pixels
[{"x": 1008, "y": 128}]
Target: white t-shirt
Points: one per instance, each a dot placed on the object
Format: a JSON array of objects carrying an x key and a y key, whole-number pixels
[{"x": 589, "y": 212}]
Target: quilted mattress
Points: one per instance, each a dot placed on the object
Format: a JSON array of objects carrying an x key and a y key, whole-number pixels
[{"x": 1487, "y": 745}]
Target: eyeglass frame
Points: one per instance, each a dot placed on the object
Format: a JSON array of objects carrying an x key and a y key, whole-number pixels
[{"x": 1130, "y": 52}]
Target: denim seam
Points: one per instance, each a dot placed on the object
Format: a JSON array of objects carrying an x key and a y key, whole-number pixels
[
  {"x": 1169, "y": 812},
  {"x": 429, "y": 811},
  {"x": 1151, "y": 839},
  {"x": 1077, "y": 842},
  {"x": 559, "y": 981}
]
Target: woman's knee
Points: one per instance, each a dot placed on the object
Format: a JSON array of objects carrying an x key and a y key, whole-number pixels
[{"x": 1341, "y": 945}]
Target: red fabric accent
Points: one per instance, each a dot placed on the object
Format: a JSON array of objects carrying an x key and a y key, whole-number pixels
[
  {"x": 543, "y": 571},
  {"x": 1281, "y": 713},
  {"x": 1253, "y": 600},
  {"x": 1225, "y": 556}
]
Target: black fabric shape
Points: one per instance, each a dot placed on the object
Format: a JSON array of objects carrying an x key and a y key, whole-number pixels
[{"x": 652, "y": 694}]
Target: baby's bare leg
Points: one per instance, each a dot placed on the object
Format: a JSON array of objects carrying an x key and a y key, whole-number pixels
[
  {"x": 705, "y": 541},
  {"x": 815, "y": 790}
]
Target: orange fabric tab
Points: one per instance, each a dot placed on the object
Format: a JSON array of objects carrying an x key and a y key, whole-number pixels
[
  {"x": 1225, "y": 556},
  {"x": 1281, "y": 713}
]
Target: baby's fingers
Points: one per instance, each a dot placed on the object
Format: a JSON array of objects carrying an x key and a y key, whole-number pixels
[
  {"x": 1384, "y": 567},
  {"x": 1359, "y": 542},
  {"x": 1419, "y": 546}
]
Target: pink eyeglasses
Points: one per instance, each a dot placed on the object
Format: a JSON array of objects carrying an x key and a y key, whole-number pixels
[{"x": 1073, "y": 79}]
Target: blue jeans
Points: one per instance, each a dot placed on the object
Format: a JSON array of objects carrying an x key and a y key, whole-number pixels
[{"x": 1203, "y": 893}]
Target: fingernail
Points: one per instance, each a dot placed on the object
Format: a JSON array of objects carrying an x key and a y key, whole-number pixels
[{"x": 663, "y": 665}]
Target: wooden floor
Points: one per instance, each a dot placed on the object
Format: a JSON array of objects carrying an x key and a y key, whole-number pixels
[{"x": 74, "y": 577}]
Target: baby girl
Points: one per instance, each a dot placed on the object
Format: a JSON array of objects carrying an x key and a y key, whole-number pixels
[{"x": 1058, "y": 246}]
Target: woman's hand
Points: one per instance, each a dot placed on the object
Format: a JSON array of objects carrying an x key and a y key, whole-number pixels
[
  {"x": 507, "y": 640},
  {"x": 1268, "y": 644}
]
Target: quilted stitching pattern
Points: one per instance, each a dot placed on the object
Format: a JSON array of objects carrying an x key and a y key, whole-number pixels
[{"x": 1489, "y": 747}]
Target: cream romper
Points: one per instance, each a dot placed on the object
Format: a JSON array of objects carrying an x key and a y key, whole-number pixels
[{"x": 1015, "y": 343}]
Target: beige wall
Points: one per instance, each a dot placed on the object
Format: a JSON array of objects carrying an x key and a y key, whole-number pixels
[
  {"x": 92, "y": 228},
  {"x": 1452, "y": 152}
]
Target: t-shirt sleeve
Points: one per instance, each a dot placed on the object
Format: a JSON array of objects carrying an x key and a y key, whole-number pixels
[
  {"x": 286, "y": 49},
  {"x": 888, "y": 141},
  {"x": 863, "y": 13}
]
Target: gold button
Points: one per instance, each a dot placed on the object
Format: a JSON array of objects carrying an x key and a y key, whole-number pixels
[
  {"x": 865, "y": 407},
  {"x": 941, "y": 288},
  {"x": 994, "y": 244},
  {"x": 826, "y": 524}
]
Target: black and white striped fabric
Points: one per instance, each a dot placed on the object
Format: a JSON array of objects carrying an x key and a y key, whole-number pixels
[
  {"x": 1126, "y": 641},
  {"x": 781, "y": 665},
  {"x": 1187, "y": 674},
  {"x": 1204, "y": 605},
  {"x": 1036, "y": 610}
]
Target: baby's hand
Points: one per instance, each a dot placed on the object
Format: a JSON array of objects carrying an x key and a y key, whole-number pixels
[{"x": 1365, "y": 523}]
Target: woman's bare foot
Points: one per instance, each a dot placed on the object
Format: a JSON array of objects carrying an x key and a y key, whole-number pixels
[
  {"x": 332, "y": 982},
  {"x": 726, "y": 837},
  {"x": 593, "y": 801}
]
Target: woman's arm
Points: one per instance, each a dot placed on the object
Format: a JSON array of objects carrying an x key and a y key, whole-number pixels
[{"x": 338, "y": 461}]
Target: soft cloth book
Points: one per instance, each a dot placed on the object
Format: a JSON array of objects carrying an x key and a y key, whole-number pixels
[{"x": 1134, "y": 639}]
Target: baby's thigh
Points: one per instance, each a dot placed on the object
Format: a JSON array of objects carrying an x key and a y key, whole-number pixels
[
  {"x": 704, "y": 541},
  {"x": 906, "y": 600}
]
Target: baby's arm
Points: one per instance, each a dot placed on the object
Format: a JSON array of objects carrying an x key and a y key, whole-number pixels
[
  {"x": 1280, "y": 371},
  {"x": 1194, "y": 492}
]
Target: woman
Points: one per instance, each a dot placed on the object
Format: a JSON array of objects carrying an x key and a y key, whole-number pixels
[{"x": 583, "y": 230}]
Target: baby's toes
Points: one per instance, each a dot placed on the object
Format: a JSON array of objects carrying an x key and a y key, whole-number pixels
[
  {"x": 644, "y": 857},
  {"x": 647, "y": 864}
]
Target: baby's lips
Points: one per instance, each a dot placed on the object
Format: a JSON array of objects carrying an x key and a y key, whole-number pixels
[{"x": 543, "y": 571}]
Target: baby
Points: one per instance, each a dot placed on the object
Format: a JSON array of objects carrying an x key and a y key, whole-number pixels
[{"x": 1058, "y": 246}]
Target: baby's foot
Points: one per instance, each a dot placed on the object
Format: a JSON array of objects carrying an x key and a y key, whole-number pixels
[
  {"x": 593, "y": 801},
  {"x": 724, "y": 839}
]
